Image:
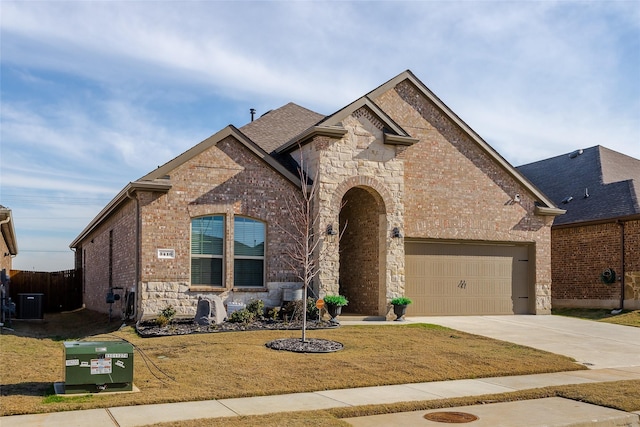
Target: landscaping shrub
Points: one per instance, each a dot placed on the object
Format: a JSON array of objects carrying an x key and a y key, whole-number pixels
[
  {"x": 166, "y": 316},
  {"x": 256, "y": 307},
  {"x": 293, "y": 310},
  {"x": 162, "y": 321},
  {"x": 312, "y": 310},
  {"x": 273, "y": 313},
  {"x": 242, "y": 316}
]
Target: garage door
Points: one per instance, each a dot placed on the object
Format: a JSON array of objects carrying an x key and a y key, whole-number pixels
[{"x": 466, "y": 279}]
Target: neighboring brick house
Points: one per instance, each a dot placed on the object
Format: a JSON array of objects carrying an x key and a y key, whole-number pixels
[
  {"x": 600, "y": 190},
  {"x": 431, "y": 211},
  {"x": 8, "y": 243}
]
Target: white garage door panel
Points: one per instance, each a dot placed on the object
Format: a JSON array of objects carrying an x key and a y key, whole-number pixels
[{"x": 445, "y": 279}]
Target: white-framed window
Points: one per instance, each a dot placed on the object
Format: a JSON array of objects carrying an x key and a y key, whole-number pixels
[
  {"x": 249, "y": 249},
  {"x": 207, "y": 250}
]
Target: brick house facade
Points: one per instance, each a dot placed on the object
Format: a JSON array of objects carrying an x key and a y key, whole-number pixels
[
  {"x": 394, "y": 169},
  {"x": 600, "y": 190}
]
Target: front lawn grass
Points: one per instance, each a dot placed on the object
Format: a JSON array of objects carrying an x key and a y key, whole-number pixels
[{"x": 237, "y": 364}]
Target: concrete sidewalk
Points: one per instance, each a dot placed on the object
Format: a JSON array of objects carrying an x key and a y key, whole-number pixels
[
  {"x": 558, "y": 413},
  {"x": 552, "y": 411}
]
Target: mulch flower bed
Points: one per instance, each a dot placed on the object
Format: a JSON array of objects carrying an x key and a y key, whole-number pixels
[{"x": 149, "y": 328}]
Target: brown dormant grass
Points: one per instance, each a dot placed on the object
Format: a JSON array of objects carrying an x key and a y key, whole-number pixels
[
  {"x": 631, "y": 318},
  {"x": 626, "y": 318},
  {"x": 237, "y": 364}
]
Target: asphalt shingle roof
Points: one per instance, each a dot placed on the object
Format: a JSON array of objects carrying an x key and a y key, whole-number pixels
[
  {"x": 610, "y": 179},
  {"x": 278, "y": 126}
]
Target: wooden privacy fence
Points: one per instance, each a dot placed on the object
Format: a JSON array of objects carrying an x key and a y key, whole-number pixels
[{"x": 62, "y": 289}]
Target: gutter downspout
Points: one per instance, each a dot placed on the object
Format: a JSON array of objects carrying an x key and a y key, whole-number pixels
[
  {"x": 137, "y": 269},
  {"x": 622, "y": 272}
]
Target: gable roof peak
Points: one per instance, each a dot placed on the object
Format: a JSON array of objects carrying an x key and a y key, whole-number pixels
[
  {"x": 332, "y": 126},
  {"x": 408, "y": 76}
]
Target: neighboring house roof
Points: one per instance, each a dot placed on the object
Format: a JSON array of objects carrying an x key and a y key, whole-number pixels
[
  {"x": 8, "y": 231},
  {"x": 593, "y": 184}
]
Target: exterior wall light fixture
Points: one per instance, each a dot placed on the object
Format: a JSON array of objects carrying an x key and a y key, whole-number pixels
[
  {"x": 396, "y": 232},
  {"x": 330, "y": 230}
]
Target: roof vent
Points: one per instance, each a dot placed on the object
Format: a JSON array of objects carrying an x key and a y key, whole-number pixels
[
  {"x": 253, "y": 113},
  {"x": 576, "y": 153},
  {"x": 586, "y": 193},
  {"x": 567, "y": 200}
]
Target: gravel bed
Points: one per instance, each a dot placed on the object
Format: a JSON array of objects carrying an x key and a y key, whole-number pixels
[{"x": 311, "y": 345}]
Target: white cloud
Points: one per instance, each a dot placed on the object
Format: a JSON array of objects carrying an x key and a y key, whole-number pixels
[
  {"x": 22, "y": 179},
  {"x": 103, "y": 138},
  {"x": 106, "y": 91}
]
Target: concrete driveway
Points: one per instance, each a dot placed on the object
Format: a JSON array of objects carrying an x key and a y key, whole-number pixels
[{"x": 597, "y": 345}]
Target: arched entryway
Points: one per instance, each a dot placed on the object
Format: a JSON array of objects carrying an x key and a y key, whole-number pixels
[{"x": 362, "y": 254}]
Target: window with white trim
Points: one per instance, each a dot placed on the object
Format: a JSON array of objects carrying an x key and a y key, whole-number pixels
[
  {"x": 207, "y": 250},
  {"x": 248, "y": 256}
]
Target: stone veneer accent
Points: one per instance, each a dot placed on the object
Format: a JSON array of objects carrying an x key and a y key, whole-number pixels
[
  {"x": 632, "y": 290},
  {"x": 155, "y": 296},
  {"x": 360, "y": 160}
]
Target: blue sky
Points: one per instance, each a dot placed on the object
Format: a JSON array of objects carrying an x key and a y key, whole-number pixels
[{"x": 97, "y": 94}]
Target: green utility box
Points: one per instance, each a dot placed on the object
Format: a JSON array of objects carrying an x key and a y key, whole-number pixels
[{"x": 95, "y": 366}]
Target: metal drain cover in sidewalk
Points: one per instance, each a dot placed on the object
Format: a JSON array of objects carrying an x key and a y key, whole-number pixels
[{"x": 451, "y": 417}]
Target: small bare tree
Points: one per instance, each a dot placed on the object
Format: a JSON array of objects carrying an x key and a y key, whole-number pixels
[{"x": 305, "y": 234}]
